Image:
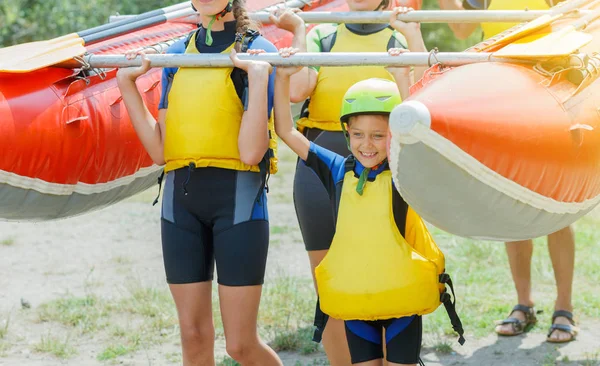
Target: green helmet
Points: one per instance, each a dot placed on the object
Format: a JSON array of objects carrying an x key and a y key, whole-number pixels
[{"x": 371, "y": 96}]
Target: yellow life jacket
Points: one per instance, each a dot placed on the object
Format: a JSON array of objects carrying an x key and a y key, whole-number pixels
[
  {"x": 492, "y": 29},
  {"x": 203, "y": 120},
  {"x": 333, "y": 82},
  {"x": 371, "y": 272}
]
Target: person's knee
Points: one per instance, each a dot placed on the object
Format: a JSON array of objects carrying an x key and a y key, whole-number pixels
[
  {"x": 241, "y": 348},
  {"x": 197, "y": 337}
]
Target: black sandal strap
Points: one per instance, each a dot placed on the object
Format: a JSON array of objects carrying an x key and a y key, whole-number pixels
[
  {"x": 529, "y": 312},
  {"x": 523, "y": 309},
  {"x": 510, "y": 321},
  {"x": 565, "y": 314},
  {"x": 562, "y": 327}
]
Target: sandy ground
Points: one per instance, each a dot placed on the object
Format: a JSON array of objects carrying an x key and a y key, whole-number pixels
[{"x": 107, "y": 249}]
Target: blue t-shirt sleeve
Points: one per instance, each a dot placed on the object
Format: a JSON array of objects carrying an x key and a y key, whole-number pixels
[
  {"x": 476, "y": 4},
  {"x": 168, "y": 74},
  {"x": 261, "y": 43},
  {"x": 327, "y": 165}
]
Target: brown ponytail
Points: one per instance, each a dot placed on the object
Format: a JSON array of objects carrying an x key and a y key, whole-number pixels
[
  {"x": 243, "y": 21},
  {"x": 384, "y": 5}
]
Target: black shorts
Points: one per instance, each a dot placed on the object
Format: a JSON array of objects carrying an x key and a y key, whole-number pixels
[
  {"x": 403, "y": 341},
  {"x": 223, "y": 218},
  {"x": 313, "y": 207}
]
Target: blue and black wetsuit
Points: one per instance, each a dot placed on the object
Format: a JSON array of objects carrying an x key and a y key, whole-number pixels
[
  {"x": 403, "y": 335},
  {"x": 211, "y": 213}
]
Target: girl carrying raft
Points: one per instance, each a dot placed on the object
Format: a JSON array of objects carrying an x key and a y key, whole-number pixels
[{"x": 213, "y": 136}]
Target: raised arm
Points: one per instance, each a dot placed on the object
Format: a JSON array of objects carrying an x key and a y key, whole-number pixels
[
  {"x": 414, "y": 38},
  {"x": 253, "y": 139},
  {"x": 284, "y": 123},
  {"x": 150, "y": 133},
  {"x": 460, "y": 30},
  {"x": 304, "y": 81},
  {"x": 401, "y": 75}
]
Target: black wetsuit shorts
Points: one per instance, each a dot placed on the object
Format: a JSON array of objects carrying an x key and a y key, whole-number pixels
[
  {"x": 313, "y": 206},
  {"x": 403, "y": 340},
  {"x": 215, "y": 215}
]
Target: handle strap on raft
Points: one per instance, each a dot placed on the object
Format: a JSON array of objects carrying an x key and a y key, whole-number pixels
[
  {"x": 160, "y": 179},
  {"x": 320, "y": 323},
  {"x": 450, "y": 306}
]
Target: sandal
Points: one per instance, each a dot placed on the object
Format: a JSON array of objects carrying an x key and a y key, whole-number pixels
[
  {"x": 519, "y": 326},
  {"x": 570, "y": 329}
]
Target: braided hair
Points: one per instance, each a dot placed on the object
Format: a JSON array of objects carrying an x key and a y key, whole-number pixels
[
  {"x": 383, "y": 5},
  {"x": 243, "y": 22}
]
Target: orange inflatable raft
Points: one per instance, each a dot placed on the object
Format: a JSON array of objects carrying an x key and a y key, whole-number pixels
[
  {"x": 503, "y": 151},
  {"x": 66, "y": 143}
]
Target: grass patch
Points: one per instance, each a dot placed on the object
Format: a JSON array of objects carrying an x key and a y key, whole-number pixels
[
  {"x": 280, "y": 197},
  {"x": 54, "y": 346},
  {"x": 591, "y": 359},
  {"x": 150, "y": 311},
  {"x": 87, "y": 314},
  {"x": 227, "y": 361},
  {"x": 4, "y": 347},
  {"x": 299, "y": 340},
  {"x": 7, "y": 242},
  {"x": 174, "y": 357},
  {"x": 443, "y": 347},
  {"x": 115, "y": 350},
  {"x": 485, "y": 290},
  {"x": 287, "y": 305},
  {"x": 280, "y": 230},
  {"x": 4, "y": 327},
  {"x": 156, "y": 306},
  {"x": 122, "y": 260}
]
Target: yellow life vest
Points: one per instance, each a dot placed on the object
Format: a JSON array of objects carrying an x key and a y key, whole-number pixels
[
  {"x": 333, "y": 82},
  {"x": 492, "y": 29},
  {"x": 371, "y": 272},
  {"x": 203, "y": 120}
]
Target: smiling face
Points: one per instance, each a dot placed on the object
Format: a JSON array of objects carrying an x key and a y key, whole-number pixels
[
  {"x": 363, "y": 5},
  {"x": 210, "y": 7},
  {"x": 368, "y": 138}
]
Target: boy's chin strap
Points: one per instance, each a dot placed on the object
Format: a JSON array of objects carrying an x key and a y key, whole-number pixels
[
  {"x": 362, "y": 180},
  {"x": 228, "y": 8}
]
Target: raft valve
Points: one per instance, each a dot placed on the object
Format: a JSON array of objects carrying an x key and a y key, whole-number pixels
[{"x": 405, "y": 117}]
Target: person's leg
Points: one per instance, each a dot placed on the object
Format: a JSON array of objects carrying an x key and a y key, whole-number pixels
[
  {"x": 241, "y": 256},
  {"x": 239, "y": 309},
  {"x": 403, "y": 341},
  {"x": 194, "y": 309},
  {"x": 364, "y": 342},
  {"x": 315, "y": 217},
  {"x": 188, "y": 263},
  {"x": 334, "y": 339},
  {"x": 561, "y": 246},
  {"x": 519, "y": 258}
]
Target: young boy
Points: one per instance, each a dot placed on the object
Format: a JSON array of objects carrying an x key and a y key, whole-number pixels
[{"x": 383, "y": 269}]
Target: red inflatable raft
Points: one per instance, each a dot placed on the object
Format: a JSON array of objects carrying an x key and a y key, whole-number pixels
[
  {"x": 67, "y": 145},
  {"x": 504, "y": 151}
]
